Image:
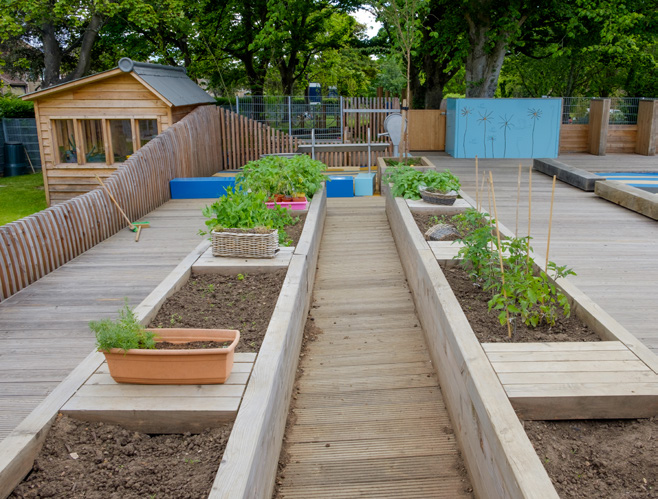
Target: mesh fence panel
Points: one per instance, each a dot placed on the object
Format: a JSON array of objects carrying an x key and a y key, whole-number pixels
[{"x": 23, "y": 130}]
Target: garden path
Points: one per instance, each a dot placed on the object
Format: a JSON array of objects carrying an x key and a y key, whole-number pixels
[
  {"x": 369, "y": 419},
  {"x": 612, "y": 249},
  {"x": 43, "y": 328}
]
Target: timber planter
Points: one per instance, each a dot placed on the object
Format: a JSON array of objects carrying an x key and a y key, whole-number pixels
[
  {"x": 201, "y": 366},
  {"x": 499, "y": 456}
]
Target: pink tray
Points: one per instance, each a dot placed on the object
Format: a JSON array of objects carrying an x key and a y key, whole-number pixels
[{"x": 293, "y": 205}]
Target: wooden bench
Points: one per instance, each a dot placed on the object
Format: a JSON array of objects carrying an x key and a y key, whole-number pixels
[{"x": 576, "y": 380}]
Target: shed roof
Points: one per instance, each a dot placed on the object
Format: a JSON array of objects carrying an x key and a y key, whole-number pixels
[{"x": 168, "y": 82}]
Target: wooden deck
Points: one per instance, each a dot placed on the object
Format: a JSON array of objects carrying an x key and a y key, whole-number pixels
[
  {"x": 369, "y": 418},
  {"x": 43, "y": 328},
  {"x": 613, "y": 250}
]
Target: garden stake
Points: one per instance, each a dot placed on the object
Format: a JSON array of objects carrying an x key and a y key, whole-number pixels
[
  {"x": 518, "y": 200},
  {"x": 489, "y": 192},
  {"x": 28, "y": 158},
  {"x": 550, "y": 221},
  {"x": 527, "y": 251},
  {"x": 477, "y": 192},
  {"x": 484, "y": 176},
  {"x": 500, "y": 255}
]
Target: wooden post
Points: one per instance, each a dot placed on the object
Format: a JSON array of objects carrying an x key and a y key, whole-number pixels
[
  {"x": 647, "y": 127},
  {"x": 599, "y": 116}
]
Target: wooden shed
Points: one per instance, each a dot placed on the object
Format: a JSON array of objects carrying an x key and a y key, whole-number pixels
[{"x": 91, "y": 125}]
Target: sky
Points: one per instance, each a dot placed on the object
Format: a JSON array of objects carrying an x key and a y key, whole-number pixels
[{"x": 365, "y": 17}]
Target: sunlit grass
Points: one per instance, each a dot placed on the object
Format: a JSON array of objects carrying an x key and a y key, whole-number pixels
[{"x": 21, "y": 196}]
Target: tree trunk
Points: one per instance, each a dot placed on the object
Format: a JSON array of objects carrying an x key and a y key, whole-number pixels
[
  {"x": 88, "y": 39},
  {"x": 52, "y": 56},
  {"x": 483, "y": 66}
]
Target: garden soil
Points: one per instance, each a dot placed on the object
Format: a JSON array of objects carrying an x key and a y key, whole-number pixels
[
  {"x": 242, "y": 301},
  {"x": 103, "y": 461},
  {"x": 426, "y": 221},
  {"x": 587, "y": 459}
]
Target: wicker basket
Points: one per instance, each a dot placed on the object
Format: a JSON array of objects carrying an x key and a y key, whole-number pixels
[
  {"x": 445, "y": 198},
  {"x": 240, "y": 243}
]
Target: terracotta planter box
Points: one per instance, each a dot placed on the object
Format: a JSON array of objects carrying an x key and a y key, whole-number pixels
[{"x": 204, "y": 366}]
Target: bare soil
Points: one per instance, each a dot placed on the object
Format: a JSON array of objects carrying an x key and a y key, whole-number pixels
[
  {"x": 588, "y": 459},
  {"x": 103, "y": 461},
  {"x": 191, "y": 345},
  {"x": 473, "y": 301},
  {"x": 243, "y": 301},
  {"x": 295, "y": 231}
]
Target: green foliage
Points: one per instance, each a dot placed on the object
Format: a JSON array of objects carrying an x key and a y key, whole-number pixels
[
  {"x": 288, "y": 176},
  {"x": 12, "y": 106},
  {"x": 532, "y": 297},
  {"x": 246, "y": 210},
  {"x": 125, "y": 332},
  {"x": 406, "y": 181}
]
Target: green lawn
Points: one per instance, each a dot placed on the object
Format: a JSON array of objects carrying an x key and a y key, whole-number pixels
[{"x": 21, "y": 196}]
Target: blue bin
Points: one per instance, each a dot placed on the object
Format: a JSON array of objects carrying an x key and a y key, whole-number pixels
[
  {"x": 200, "y": 188},
  {"x": 364, "y": 184},
  {"x": 340, "y": 186}
]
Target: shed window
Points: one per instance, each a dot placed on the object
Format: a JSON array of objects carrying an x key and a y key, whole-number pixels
[
  {"x": 65, "y": 140},
  {"x": 147, "y": 130},
  {"x": 122, "y": 139},
  {"x": 92, "y": 133}
]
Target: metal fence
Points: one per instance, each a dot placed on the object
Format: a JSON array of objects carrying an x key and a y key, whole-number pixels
[
  {"x": 296, "y": 116},
  {"x": 623, "y": 110},
  {"x": 23, "y": 130}
]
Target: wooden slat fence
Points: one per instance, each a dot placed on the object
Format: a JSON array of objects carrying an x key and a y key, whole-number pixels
[
  {"x": 36, "y": 245},
  {"x": 244, "y": 140}
]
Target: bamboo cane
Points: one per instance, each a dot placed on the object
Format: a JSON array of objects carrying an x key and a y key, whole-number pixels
[
  {"x": 518, "y": 201},
  {"x": 527, "y": 263},
  {"x": 489, "y": 196},
  {"x": 477, "y": 192},
  {"x": 550, "y": 222},
  {"x": 500, "y": 255},
  {"x": 484, "y": 176}
]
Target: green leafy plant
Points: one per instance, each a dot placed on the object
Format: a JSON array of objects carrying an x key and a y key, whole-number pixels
[
  {"x": 240, "y": 277},
  {"x": 286, "y": 176},
  {"x": 530, "y": 296},
  {"x": 246, "y": 210},
  {"x": 407, "y": 180},
  {"x": 125, "y": 332}
]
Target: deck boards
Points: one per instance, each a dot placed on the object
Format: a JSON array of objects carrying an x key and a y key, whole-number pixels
[
  {"x": 43, "y": 328},
  {"x": 369, "y": 417},
  {"x": 612, "y": 249}
]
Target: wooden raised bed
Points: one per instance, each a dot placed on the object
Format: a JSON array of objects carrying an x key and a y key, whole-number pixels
[
  {"x": 253, "y": 450},
  {"x": 498, "y": 454},
  {"x": 381, "y": 168}
]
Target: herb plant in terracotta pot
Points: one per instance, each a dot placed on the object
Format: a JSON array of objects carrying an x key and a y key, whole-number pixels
[{"x": 164, "y": 356}]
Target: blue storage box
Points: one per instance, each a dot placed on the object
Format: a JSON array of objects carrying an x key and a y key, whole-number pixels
[
  {"x": 340, "y": 186},
  {"x": 364, "y": 184},
  {"x": 200, "y": 188}
]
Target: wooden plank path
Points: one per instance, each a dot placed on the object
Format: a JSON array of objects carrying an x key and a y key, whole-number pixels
[
  {"x": 369, "y": 418},
  {"x": 613, "y": 250},
  {"x": 43, "y": 328}
]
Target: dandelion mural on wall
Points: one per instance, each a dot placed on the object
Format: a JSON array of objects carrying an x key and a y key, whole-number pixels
[
  {"x": 492, "y": 139},
  {"x": 505, "y": 124},
  {"x": 534, "y": 114},
  {"x": 484, "y": 118},
  {"x": 465, "y": 112}
]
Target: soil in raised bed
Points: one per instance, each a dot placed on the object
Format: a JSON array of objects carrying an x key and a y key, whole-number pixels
[
  {"x": 241, "y": 301},
  {"x": 473, "y": 301},
  {"x": 426, "y": 221},
  {"x": 104, "y": 461},
  {"x": 295, "y": 231},
  {"x": 599, "y": 458}
]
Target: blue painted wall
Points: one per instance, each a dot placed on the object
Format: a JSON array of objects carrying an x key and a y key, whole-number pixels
[{"x": 503, "y": 128}]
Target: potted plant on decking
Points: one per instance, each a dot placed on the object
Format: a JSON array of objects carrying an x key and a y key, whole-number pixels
[{"x": 164, "y": 356}]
